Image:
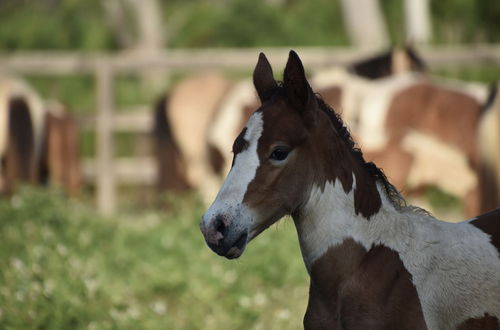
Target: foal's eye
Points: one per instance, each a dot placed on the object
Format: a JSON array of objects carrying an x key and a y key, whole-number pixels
[{"x": 279, "y": 153}]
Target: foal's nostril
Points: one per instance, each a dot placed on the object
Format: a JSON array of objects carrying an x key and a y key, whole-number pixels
[{"x": 220, "y": 226}]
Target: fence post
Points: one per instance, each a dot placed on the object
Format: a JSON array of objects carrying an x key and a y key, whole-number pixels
[
  {"x": 105, "y": 176},
  {"x": 497, "y": 108},
  {"x": 365, "y": 23}
]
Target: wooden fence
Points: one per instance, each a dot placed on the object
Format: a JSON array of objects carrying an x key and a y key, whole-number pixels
[{"x": 107, "y": 171}]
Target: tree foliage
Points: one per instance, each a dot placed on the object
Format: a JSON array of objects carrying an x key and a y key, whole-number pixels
[
  {"x": 82, "y": 25},
  {"x": 53, "y": 24}
]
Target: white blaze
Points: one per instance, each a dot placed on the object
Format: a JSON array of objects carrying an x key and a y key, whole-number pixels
[
  {"x": 229, "y": 118},
  {"x": 230, "y": 197}
]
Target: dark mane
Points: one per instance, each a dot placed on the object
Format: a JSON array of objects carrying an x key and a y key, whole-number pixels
[
  {"x": 376, "y": 173},
  {"x": 392, "y": 193}
]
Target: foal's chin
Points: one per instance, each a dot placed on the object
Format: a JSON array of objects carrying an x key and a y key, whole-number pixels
[
  {"x": 237, "y": 248},
  {"x": 234, "y": 253},
  {"x": 227, "y": 229}
]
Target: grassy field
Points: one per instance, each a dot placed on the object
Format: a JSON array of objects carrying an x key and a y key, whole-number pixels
[{"x": 63, "y": 267}]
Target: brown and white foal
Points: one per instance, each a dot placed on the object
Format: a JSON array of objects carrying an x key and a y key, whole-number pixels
[{"x": 374, "y": 262}]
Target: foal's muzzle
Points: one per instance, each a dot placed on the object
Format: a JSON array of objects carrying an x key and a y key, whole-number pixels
[{"x": 222, "y": 238}]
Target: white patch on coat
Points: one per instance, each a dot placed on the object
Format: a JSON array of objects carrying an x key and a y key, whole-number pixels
[
  {"x": 229, "y": 118},
  {"x": 229, "y": 200},
  {"x": 319, "y": 227},
  {"x": 437, "y": 163},
  {"x": 454, "y": 267}
]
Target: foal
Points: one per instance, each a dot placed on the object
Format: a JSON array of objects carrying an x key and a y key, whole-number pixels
[{"x": 374, "y": 262}]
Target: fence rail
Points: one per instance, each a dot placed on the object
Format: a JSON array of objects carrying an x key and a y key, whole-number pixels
[
  {"x": 138, "y": 119},
  {"x": 60, "y": 63},
  {"x": 107, "y": 171},
  {"x": 126, "y": 170}
]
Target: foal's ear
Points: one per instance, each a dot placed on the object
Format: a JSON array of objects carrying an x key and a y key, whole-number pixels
[
  {"x": 263, "y": 78},
  {"x": 297, "y": 88}
]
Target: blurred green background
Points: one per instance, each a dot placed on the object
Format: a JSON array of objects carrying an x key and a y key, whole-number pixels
[
  {"x": 64, "y": 267},
  {"x": 82, "y": 24}
]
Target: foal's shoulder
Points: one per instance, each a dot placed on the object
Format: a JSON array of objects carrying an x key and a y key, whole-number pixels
[
  {"x": 490, "y": 224},
  {"x": 380, "y": 294}
]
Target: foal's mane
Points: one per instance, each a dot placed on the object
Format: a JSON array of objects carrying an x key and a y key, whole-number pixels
[
  {"x": 376, "y": 173},
  {"x": 394, "y": 196}
]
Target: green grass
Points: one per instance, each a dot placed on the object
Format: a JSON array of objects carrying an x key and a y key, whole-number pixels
[{"x": 63, "y": 267}]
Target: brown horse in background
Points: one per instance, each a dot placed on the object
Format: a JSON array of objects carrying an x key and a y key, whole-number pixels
[
  {"x": 422, "y": 130},
  {"x": 60, "y": 162},
  {"x": 193, "y": 134},
  {"x": 489, "y": 150},
  {"x": 19, "y": 159},
  {"x": 396, "y": 60},
  {"x": 38, "y": 141},
  {"x": 425, "y": 131},
  {"x": 181, "y": 124}
]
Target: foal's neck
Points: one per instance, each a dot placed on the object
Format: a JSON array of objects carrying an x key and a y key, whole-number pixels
[
  {"x": 347, "y": 198},
  {"x": 329, "y": 218}
]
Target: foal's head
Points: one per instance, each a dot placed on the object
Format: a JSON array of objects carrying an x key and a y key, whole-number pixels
[{"x": 291, "y": 143}]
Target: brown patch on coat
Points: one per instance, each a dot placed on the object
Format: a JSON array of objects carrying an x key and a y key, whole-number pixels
[
  {"x": 288, "y": 183},
  {"x": 352, "y": 288},
  {"x": 349, "y": 161},
  {"x": 448, "y": 115},
  {"x": 490, "y": 224},
  {"x": 487, "y": 322},
  {"x": 60, "y": 161},
  {"x": 19, "y": 163},
  {"x": 240, "y": 144},
  {"x": 171, "y": 167}
]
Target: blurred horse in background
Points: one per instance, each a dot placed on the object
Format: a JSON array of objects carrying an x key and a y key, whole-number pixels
[
  {"x": 489, "y": 150},
  {"x": 38, "y": 141},
  {"x": 423, "y": 131},
  {"x": 182, "y": 119},
  {"x": 195, "y": 125},
  {"x": 394, "y": 61},
  {"x": 60, "y": 162}
]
